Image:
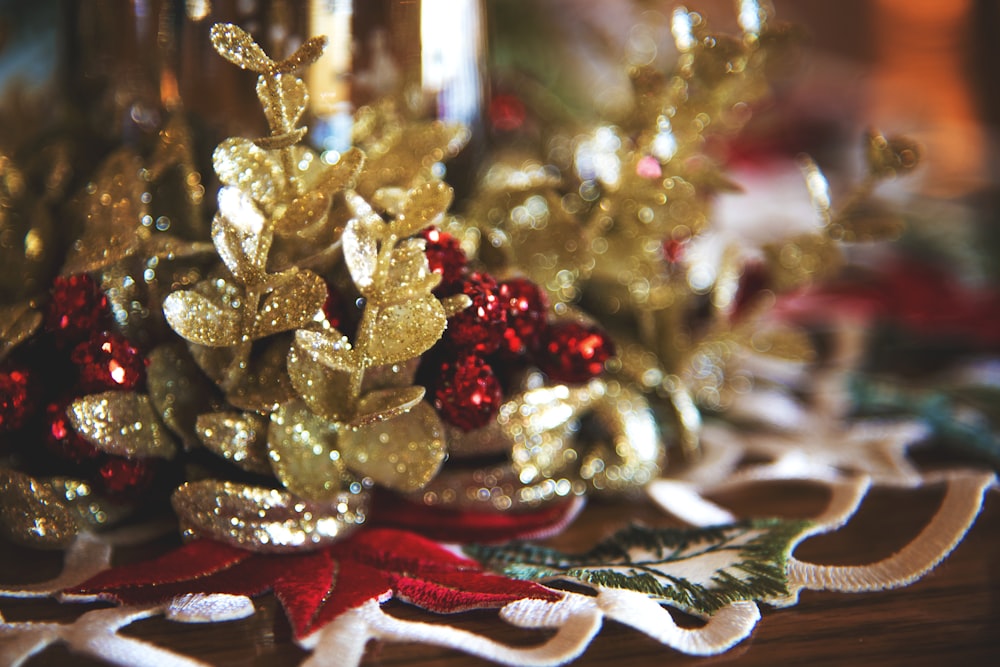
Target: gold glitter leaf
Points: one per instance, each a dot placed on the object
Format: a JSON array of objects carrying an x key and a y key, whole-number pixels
[
  {"x": 406, "y": 330},
  {"x": 32, "y": 514},
  {"x": 284, "y": 98},
  {"x": 262, "y": 519},
  {"x": 240, "y": 245},
  {"x": 867, "y": 221},
  {"x": 382, "y": 404},
  {"x": 303, "y": 212},
  {"x": 237, "y": 46},
  {"x": 305, "y": 55},
  {"x": 303, "y": 451},
  {"x": 783, "y": 343},
  {"x": 343, "y": 173},
  {"x": 390, "y": 199},
  {"x": 403, "y": 453},
  {"x": 455, "y": 304},
  {"x": 891, "y": 156},
  {"x": 17, "y": 323},
  {"x": 121, "y": 423},
  {"x": 800, "y": 260},
  {"x": 294, "y": 302},
  {"x": 91, "y": 510},
  {"x": 283, "y": 140},
  {"x": 196, "y": 318},
  {"x": 179, "y": 390},
  {"x": 330, "y": 348},
  {"x": 238, "y": 437},
  {"x": 360, "y": 242},
  {"x": 113, "y": 211},
  {"x": 265, "y": 384},
  {"x": 410, "y": 276},
  {"x": 325, "y": 388},
  {"x": 254, "y": 170},
  {"x": 423, "y": 205}
]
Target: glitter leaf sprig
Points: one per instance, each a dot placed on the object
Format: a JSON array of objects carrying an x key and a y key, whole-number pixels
[{"x": 401, "y": 320}]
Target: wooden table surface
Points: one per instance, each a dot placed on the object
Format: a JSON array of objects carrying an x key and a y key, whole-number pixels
[{"x": 951, "y": 616}]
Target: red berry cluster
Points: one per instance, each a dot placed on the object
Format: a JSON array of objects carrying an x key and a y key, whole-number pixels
[
  {"x": 78, "y": 355},
  {"x": 506, "y": 329}
]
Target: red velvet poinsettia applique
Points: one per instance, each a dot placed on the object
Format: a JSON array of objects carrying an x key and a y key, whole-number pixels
[{"x": 316, "y": 587}]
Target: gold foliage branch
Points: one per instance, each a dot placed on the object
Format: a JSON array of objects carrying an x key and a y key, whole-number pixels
[
  {"x": 594, "y": 231},
  {"x": 325, "y": 413}
]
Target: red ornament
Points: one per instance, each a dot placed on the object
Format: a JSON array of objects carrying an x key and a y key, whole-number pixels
[
  {"x": 445, "y": 256},
  {"x": 125, "y": 479},
  {"x": 467, "y": 394},
  {"x": 16, "y": 400},
  {"x": 574, "y": 352},
  {"x": 77, "y": 308},
  {"x": 480, "y": 327},
  {"x": 60, "y": 437},
  {"x": 109, "y": 361},
  {"x": 526, "y": 308}
]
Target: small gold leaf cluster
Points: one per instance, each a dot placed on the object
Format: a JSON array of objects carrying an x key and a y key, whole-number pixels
[
  {"x": 597, "y": 230},
  {"x": 328, "y": 412}
]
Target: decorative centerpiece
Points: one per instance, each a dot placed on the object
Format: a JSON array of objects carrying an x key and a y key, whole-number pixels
[{"x": 338, "y": 331}]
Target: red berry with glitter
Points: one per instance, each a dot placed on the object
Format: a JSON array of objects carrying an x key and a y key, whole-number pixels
[
  {"x": 16, "y": 400},
  {"x": 573, "y": 352},
  {"x": 526, "y": 308},
  {"x": 467, "y": 393},
  {"x": 109, "y": 361},
  {"x": 62, "y": 440},
  {"x": 125, "y": 479},
  {"x": 480, "y": 327},
  {"x": 445, "y": 256},
  {"x": 76, "y": 309}
]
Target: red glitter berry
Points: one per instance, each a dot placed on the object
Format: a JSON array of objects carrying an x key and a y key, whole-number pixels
[
  {"x": 60, "y": 437},
  {"x": 77, "y": 308},
  {"x": 16, "y": 400},
  {"x": 526, "y": 308},
  {"x": 574, "y": 352},
  {"x": 125, "y": 479},
  {"x": 445, "y": 256},
  {"x": 480, "y": 327},
  {"x": 467, "y": 394},
  {"x": 109, "y": 361}
]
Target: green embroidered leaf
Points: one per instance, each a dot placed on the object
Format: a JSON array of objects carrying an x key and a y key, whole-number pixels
[{"x": 699, "y": 570}]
